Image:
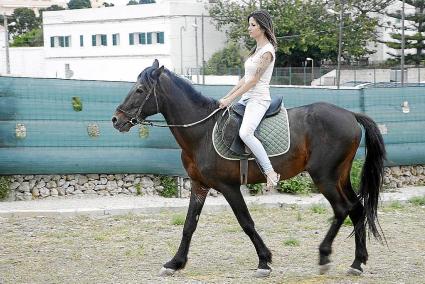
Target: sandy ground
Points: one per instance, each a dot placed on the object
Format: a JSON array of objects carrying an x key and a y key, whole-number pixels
[{"x": 132, "y": 248}]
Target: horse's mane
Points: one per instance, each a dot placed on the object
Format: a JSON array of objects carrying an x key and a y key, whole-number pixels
[{"x": 186, "y": 86}]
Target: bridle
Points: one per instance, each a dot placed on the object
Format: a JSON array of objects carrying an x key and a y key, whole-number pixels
[{"x": 134, "y": 120}]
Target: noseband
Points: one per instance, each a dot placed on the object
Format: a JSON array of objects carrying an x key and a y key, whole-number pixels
[{"x": 136, "y": 119}]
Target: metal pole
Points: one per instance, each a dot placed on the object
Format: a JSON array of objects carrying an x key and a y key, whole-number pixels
[
  {"x": 203, "y": 51},
  {"x": 338, "y": 71},
  {"x": 6, "y": 43},
  {"x": 196, "y": 53},
  {"x": 181, "y": 49},
  {"x": 402, "y": 44}
]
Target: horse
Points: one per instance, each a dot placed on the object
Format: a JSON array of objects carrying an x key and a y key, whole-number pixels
[{"x": 324, "y": 141}]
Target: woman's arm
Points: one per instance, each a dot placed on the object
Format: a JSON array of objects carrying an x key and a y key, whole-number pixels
[
  {"x": 265, "y": 60},
  {"x": 235, "y": 88}
]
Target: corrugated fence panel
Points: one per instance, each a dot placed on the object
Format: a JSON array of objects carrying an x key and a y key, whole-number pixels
[{"x": 57, "y": 137}]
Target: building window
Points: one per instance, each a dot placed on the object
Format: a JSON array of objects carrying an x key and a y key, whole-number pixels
[
  {"x": 149, "y": 38},
  {"x": 60, "y": 41},
  {"x": 99, "y": 40},
  {"x": 116, "y": 39},
  {"x": 160, "y": 37},
  {"x": 146, "y": 38},
  {"x": 81, "y": 40}
]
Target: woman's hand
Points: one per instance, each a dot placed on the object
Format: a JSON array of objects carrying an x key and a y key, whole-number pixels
[{"x": 225, "y": 102}]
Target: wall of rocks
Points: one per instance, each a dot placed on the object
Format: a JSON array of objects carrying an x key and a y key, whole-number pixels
[{"x": 28, "y": 187}]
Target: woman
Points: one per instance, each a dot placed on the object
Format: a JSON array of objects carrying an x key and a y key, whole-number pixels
[{"x": 254, "y": 88}]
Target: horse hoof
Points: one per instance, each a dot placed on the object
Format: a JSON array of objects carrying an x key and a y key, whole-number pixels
[
  {"x": 261, "y": 273},
  {"x": 354, "y": 272},
  {"x": 164, "y": 272},
  {"x": 324, "y": 268}
]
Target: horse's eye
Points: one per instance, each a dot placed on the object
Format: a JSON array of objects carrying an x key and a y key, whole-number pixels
[{"x": 133, "y": 121}]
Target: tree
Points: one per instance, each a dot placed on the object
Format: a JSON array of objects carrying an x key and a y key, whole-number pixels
[
  {"x": 132, "y": 2},
  {"x": 31, "y": 38},
  {"x": 147, "y": 1},
  {"x": 303, "y": 28},
  {"x": 22, "y": 21},
  {"x": 79, "y": 4},
  {"x": 105, "y": 4},
  {"x": 414, "y": 33},
  {"x": 229, "y": 57}
]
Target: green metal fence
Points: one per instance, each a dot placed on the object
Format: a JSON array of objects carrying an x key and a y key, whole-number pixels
[{"x": 63, "y": 126}]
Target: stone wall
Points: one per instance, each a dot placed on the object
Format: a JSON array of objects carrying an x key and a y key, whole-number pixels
[{"x": 28, "y": 187}]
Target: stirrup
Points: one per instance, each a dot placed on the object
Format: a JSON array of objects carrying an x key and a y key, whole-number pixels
[{"x": 272, "y": 183}]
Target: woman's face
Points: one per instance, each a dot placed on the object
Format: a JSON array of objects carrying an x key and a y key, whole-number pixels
[{"x": 254, "y": 28}]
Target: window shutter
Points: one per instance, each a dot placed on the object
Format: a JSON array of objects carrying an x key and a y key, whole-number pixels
[
  {"x": 143, "y": 38},
  {"x": 103, "y": 40},
  {"x": 160, "y": 37},
  {"x": 81, "y": 40},
  {"x": 114, "y": 39},
  {"x": 93, "y": 40},
  {"x": 131, "y": 38},
  {"x": 52, "y": 41},
  {"x": 67, "y": 41},
  {"x": 61, "y": 41},
  {"x": 149, "y": 38}
]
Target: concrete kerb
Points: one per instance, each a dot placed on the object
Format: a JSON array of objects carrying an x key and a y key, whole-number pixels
[{"x": 134, "y": 205}]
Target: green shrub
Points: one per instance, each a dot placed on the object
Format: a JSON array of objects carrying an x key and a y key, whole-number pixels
[
  {"x": 178, "y": 220},
  {"x": 4, "y": 186},
  {"x": 255, "y": 188},
  {"x": 355, "y": 174},
  {"x": 170, "y": 186},
  {"x": 77, "y": 104},
  {"x": 318, "y": 209},
  {"x": 297, "y": 185},
  {"x": 418, "y": 200},
  {"x": 291, "y": 242}
]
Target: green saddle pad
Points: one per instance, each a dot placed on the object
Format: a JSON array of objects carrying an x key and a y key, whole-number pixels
[{"x": 273, "y": 132}]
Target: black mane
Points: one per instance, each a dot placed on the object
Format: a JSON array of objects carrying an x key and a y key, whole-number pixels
[{"x": 187, "y": 88}]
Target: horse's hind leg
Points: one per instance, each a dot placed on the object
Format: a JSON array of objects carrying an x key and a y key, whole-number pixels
[
  {"x": 197, "y": 200},
  {"x": 357, "y": 217},
  {"x": 329, "y": 188},
  {"x": 238, "y": 205}
]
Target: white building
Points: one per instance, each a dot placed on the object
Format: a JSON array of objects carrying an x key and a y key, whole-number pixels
[
  {"x": 116, "y": 43},
  {"x": 382, "y": 50}
]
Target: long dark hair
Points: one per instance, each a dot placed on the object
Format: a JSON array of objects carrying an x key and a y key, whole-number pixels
[{"x": 263, "y": 18}]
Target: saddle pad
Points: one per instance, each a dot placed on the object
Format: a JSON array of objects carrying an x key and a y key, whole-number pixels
[{"x": 273, "y": 132}]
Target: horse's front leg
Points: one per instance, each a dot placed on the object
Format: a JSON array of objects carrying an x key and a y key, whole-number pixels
[
  {"x": 197, "y": 200},
  {"x": 236, "y": 201}
]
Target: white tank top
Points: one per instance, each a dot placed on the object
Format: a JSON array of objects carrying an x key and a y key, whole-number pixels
[{"x": 261, "y": 89}]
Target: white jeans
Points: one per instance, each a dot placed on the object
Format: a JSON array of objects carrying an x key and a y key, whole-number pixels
[{"x": 254, "y": 112}]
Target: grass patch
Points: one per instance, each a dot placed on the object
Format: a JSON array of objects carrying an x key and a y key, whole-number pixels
[
  {"x": 178, "y": 220},
  {"x": 297, "y": 185},
  {"x": 255, "y": 188},
  {"x": 138, "y": 189},
  {"x": 318, "y": 209},
  {"x": 4, "y": 187},
  {"x": 396, "y": 205},
  {"x": 170, "y": 186},
  {"x": 291, "y": 242},
  {"x": 348, "y": 222},
  {"x": 418, "y": 200},
  {"x": 355, "y": 174}
]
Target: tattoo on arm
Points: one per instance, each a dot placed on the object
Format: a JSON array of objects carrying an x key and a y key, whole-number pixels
[{"x": 265, "y": 61}]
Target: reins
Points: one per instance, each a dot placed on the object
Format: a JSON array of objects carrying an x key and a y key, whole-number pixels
[{"x": 136, "y": 119}]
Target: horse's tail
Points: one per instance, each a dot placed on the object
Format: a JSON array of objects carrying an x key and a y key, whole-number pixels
[{"x": 372, "y": 174}]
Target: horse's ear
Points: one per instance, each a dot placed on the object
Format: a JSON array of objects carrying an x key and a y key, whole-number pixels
[
  {"x": 156, "y": 73},
  {"x": 155, "y": 63}
]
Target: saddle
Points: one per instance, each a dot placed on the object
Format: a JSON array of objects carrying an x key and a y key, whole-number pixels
[{"x": 230, "y": 126}]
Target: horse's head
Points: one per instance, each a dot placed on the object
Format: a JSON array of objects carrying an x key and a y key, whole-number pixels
[{"x": 141, "y": 101}]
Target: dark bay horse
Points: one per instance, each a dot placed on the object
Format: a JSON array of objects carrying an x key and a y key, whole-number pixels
[{"x": 324, "y": 140}]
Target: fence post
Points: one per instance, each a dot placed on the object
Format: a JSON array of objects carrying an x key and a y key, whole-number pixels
[
  {"x": 290, "y": 75},
  {"x": 305, "y": 83}
]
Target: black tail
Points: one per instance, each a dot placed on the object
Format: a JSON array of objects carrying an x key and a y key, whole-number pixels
[{"x": 372, "y": 173}]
